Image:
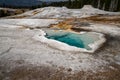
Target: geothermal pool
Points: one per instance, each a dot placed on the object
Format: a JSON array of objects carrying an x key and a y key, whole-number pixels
[{"x": 73, "y": 39}]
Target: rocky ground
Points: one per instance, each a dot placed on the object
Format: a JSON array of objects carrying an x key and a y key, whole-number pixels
[{"x": 24, "y": 58}]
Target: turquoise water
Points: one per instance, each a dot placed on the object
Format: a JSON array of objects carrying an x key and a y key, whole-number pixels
[{"x": 72, "y": 39}]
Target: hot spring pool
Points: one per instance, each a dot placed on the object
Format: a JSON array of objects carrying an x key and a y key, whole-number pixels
[{"x": 73, "y": 39}]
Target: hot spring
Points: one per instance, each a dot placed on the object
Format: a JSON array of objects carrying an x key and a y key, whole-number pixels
[
  {"x": 71, "y": 41},
  {"x": 79, "y": 40}
]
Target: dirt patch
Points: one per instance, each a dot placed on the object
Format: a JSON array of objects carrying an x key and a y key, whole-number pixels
[
  {"x": 64, "y": 25},
  {"x": 35, "y": 12},
  {"x": 103, "y": 19},
  {"x": 11, "y": 12},
  {"x": 47, "y": 73},
  {"x": 18, "y": 17},
  {"x": 79, "y": 29}
]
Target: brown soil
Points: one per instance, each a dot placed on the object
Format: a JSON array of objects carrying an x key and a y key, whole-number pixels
[
  {"x": 65, "y": 25},
  {"x": 103, "y": 19},
  {"x": 18, "y": 17},
  {"x": 75, "y": 24},
  {"x": 46, "y": 73}
]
